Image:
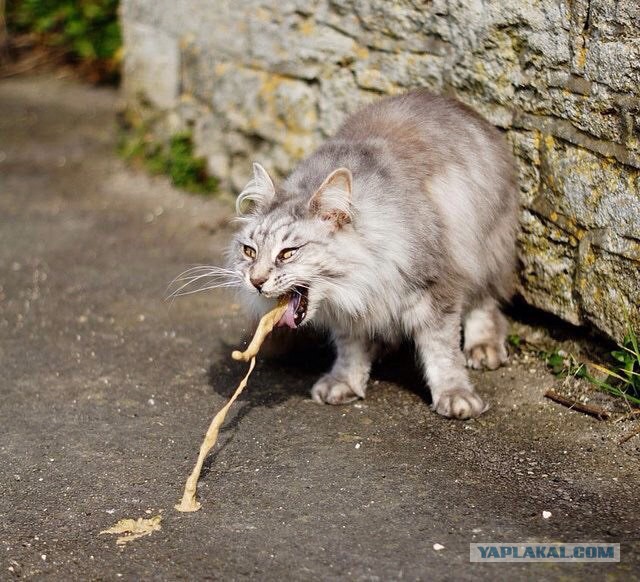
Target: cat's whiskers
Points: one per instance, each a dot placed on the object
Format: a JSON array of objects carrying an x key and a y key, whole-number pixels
[
  {"x": 210, "y": 269},
  {"x": 214, "y": 277},
  {"x": 215, "y": 286}
]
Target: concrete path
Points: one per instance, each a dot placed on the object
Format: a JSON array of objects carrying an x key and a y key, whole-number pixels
[{"x": 106, "y": 391}]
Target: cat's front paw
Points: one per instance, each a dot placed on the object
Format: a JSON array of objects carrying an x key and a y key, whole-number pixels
[
  {"x": 330, "y": 390},
  {"x": 490, "y": 355},
  {"x": 461, "y": 403}
]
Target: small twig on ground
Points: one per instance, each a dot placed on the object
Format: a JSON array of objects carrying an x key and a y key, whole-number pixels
[
  {"x": 634, "y": 412},
  {"x": 629, "y": 436},
  {"x": 589, "y": 409}
]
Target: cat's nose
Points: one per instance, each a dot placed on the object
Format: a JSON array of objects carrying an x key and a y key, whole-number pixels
[{"x": 258, "y": 282}]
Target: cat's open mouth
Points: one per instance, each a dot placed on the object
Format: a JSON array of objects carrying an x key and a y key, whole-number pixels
[{"x": 296, "y": 308}]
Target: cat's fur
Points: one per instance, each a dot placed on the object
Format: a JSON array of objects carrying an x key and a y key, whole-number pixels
[{"x": 406, "y": 223}]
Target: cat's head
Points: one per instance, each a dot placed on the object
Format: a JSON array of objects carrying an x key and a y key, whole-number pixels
[{"x": 290, "y": 244}]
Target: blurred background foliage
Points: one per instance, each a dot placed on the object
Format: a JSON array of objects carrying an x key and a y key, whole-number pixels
[
  {"x": 173, "y": 156},
  {"x": 84, "y": 32}
]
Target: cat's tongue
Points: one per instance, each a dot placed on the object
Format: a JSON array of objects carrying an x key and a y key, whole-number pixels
[{"x": 288, "y": 319}]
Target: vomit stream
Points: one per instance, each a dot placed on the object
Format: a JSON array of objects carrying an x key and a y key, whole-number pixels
[{"x": 267, "y": 323}]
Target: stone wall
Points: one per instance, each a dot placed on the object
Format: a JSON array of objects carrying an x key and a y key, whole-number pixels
[{"x": 269, "y": 80}]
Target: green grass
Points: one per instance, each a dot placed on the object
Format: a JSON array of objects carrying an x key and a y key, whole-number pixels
[
  {"x": 175, "y": 159},
  {"x": 621, "y": 378},
  {"x": 88, "y": 30},
  {"x": 514, "y": 340}
]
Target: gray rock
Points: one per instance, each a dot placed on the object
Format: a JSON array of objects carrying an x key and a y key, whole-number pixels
[{"x": 151, "y": 66}]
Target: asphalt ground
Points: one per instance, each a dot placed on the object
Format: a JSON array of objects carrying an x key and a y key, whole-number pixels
[{"x": 106, "y": 391}]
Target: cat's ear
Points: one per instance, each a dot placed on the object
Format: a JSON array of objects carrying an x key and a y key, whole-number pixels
[
  {"x": 260, "y": 191},
  {"x": 332, "y": 201}
]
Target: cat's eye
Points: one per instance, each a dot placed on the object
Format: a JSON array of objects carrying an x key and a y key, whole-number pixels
[
  {"x": 285, "y": 254},
  {"x": 249, "y": 251}
]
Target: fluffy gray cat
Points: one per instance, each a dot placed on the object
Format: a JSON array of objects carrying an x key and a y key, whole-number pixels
[{"x": 402, "y": 225}]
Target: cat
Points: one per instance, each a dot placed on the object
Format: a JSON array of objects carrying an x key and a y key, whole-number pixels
[{"x": 403, "y": 225}]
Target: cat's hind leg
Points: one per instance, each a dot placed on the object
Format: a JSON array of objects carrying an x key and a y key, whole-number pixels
[
  {"x": 437, "y": 341},
  {"x": 485, "y": 334},
  {"x": 348, "y": 378}
]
